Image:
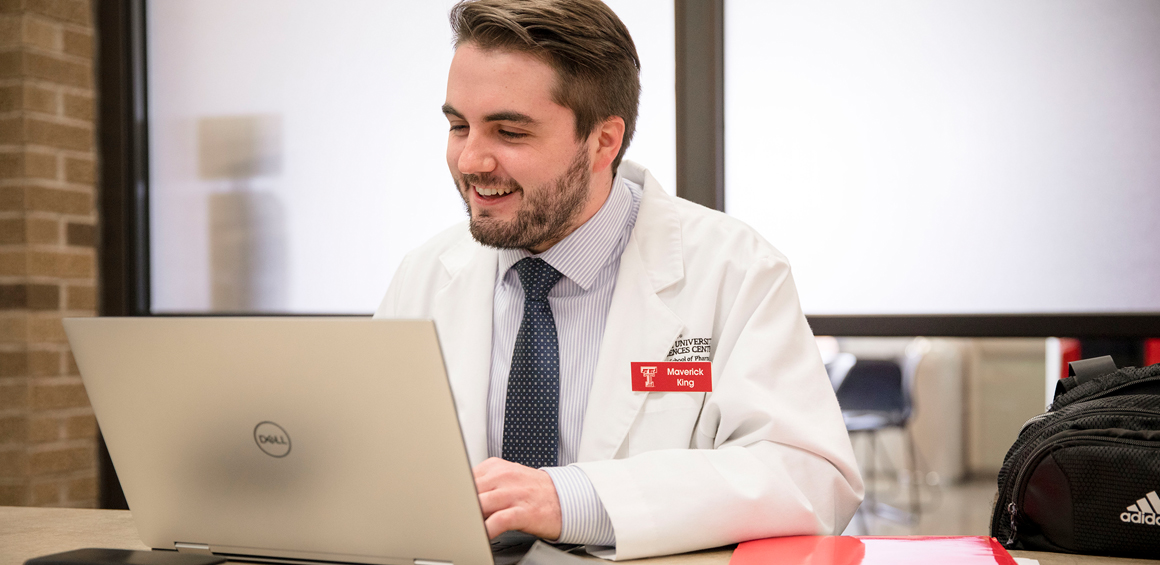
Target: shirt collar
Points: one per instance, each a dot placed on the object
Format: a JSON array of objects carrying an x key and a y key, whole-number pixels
[{"x": 582, "y": 253}]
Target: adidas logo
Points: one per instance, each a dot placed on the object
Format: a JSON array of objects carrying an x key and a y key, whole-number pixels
[{"x": 1143, "y": 511}]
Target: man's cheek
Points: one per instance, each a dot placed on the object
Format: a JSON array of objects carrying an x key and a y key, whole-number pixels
[{"x": 453, "y": 152}]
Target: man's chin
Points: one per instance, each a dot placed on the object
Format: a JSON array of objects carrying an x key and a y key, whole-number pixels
[{"x": 496, "y": 233}]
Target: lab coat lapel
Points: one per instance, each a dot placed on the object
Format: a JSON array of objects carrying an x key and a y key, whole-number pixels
[
  {"x": 467, "y": 300},
  {"x": 640, "y": 327}
]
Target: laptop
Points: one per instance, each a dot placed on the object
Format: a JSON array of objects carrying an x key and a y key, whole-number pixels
[{"x": 285, "y": 439}]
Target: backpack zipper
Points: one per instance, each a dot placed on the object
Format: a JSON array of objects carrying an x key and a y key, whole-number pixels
[
  {"x": 1105, "y": 392},
  {"x": 1153, "y": 413},
  {"x": 1089, "y": 412},
  {"x": 1011, "y": 511},
  {"x": 1032, "y": 420}
]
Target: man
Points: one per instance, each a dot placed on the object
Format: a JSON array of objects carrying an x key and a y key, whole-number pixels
[{"x": 572, "y": 267}]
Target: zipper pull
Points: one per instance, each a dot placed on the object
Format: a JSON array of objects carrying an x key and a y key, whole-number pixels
[{"x": 1011, "y": 510}]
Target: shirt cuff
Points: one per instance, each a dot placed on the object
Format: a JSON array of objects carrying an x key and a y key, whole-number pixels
[{"x": 583, "y": 519}]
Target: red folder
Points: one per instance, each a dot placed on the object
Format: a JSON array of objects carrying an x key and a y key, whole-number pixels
[{"x": 872, "y": 550}]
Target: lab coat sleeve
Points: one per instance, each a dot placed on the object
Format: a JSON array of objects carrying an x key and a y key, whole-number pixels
[{"x": 770, "y": 454}]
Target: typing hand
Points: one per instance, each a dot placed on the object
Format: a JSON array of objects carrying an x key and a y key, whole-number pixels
[{"x": 515, "y": 497}]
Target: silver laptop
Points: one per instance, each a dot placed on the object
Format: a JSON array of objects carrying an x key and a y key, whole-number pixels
[{"x": 316, "y": 439}]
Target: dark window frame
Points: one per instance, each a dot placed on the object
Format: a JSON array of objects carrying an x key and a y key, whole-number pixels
[{"x": 122, "y": 197}]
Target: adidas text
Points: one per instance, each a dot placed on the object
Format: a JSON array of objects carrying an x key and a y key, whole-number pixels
[
  {"x": 1139, "y": 518},
  {"x": 1143, "y": 511}
]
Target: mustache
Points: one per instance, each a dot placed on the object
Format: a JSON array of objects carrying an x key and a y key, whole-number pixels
[{"x": 488, "y": 180}]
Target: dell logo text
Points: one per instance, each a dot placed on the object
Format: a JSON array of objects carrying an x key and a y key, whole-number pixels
[{"x": 272, "y": 439}]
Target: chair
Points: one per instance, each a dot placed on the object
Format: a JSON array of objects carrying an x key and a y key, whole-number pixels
[{"x": 875, "y": 394}]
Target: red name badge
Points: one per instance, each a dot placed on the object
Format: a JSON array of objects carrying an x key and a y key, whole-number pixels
[{"x": 672, "y": 376}]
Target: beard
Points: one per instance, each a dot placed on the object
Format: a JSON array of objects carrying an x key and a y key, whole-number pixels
[{"x": 545, "y": 214}]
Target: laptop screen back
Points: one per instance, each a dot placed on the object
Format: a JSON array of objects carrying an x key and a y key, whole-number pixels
[{"x": 326, "y": 439}]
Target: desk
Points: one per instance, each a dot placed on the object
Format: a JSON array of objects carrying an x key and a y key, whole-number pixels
[{"x": 31, "y": 532}]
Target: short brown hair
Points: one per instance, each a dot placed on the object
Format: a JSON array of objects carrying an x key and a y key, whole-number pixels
[{"x": 597, "y": 68}]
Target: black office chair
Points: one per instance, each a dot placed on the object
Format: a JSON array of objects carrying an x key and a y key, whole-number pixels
[{"x": 875, "y": 394}]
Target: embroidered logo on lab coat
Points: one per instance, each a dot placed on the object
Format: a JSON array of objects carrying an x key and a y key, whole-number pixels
[{"x": 691, "y": 349}]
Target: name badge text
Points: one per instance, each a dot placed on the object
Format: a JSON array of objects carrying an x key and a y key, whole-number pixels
[{"x": 672, "y": 376}]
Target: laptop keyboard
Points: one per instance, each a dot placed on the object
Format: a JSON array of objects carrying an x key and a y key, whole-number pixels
[
  {"x": 508, "y": 540},
  {"x": 509, "y": 547}
]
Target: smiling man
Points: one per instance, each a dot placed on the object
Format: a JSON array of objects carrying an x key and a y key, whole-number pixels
[
  {"x": 630, "y": 370},
  {"x": 522, "y": 136}
]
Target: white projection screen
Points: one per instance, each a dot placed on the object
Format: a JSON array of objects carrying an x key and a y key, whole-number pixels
[
  {"x": 950, "y": 158},
  {"x": 296, "y": 147}
]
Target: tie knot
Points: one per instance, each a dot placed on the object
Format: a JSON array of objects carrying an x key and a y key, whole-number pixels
[{"x": 537, "y": 277}]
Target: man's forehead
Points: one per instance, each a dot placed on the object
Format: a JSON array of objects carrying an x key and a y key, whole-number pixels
[
  {"x": 487, "y": 83},
  {"x": 509, "y": 62}
]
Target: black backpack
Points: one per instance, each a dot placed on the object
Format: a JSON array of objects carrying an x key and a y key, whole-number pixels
[{"x": 1084, "y": 477}]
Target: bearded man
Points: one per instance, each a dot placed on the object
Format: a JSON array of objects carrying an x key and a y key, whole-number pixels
[{"x": 576, "y": 273}]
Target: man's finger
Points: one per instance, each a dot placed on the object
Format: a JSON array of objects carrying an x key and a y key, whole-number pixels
[
  {"x": 503, "y": 521},
  {"x": 483, "y": 467},
  {"x": 494, "y": 501},
  {"x": 486, "y": 483},
  {"x": 491, "y": 473},
  {"x": 487, "y": 475}
]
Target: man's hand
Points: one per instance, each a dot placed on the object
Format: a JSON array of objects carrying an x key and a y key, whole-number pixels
[{"x": 515, "y": 497}]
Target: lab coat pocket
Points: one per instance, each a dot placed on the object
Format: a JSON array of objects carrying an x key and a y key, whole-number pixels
[{"x": 666, "y": 421}]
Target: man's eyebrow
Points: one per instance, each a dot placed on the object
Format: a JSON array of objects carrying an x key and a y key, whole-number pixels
[
  {"x": 514, "y": 117},
  {"x": 448, "y": 109}
]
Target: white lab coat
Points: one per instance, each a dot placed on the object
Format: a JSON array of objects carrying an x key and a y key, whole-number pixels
[{"x": 765, "y": 454}]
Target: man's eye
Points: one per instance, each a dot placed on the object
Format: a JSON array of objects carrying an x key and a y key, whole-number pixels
[
  {"x": 511, "y": 134},
  {"x": 458, "y": 129}
]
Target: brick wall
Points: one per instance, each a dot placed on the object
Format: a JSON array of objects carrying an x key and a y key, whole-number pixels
[{"x": 47, "y": 250}]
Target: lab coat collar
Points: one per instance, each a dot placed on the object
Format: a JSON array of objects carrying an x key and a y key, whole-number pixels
[
  {"x": 467, "y": 299},
  {"x": 657, "y": 230},
  {"x": 640, "y": 326}
]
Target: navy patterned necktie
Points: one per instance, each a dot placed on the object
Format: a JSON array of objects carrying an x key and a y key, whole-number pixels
[{"x": 531, "y": 429}]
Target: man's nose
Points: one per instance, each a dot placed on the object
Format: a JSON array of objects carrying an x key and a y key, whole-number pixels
[{"x": 476, "y": 156}]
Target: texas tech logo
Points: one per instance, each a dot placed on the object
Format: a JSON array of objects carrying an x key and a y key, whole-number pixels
[
  {"x": 1143, "y": 511},
  {"x": 649, "y": 373}
]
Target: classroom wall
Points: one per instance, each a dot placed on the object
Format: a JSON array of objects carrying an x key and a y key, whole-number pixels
[{"x": 48, "y": 240}]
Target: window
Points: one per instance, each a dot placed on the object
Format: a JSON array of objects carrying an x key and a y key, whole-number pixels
[
  {"x": 296, "y": 147},
  {"x": 966, "y": 157}
]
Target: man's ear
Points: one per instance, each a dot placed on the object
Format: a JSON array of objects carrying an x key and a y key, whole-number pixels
[{"x": 605, "y": 141}]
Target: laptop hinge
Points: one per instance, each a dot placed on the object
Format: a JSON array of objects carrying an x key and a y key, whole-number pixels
[
  {"x": 200, "y": 548},
  {"x": 431, "y": 562}
]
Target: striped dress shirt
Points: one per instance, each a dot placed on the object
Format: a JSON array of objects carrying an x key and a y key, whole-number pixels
[{"x": 589, "y": 259}]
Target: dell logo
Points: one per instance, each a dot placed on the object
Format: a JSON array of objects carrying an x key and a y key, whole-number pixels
[{"x": 272, "y": 439}]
